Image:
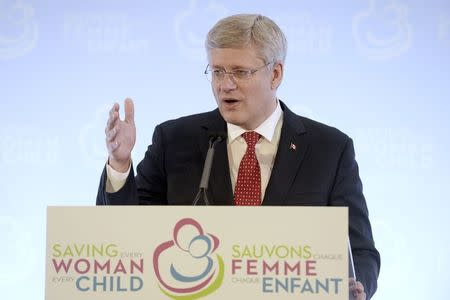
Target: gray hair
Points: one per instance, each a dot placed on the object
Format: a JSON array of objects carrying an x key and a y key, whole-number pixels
[{"x": 249, "y": 30}]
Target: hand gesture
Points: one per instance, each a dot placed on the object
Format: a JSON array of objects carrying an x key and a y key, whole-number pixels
[{"x": 120, "y": 136}]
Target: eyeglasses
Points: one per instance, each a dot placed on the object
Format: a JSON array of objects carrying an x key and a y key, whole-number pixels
[{"x": 218, "y": 74}]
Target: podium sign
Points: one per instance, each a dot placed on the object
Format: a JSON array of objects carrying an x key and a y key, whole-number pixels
[{"x": 196, "y": 252}]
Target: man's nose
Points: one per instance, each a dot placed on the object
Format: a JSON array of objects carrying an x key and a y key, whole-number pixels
[{"x": 228, "y": 83}]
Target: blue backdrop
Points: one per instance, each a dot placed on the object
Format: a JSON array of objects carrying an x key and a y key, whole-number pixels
[{"x": 377, "y": 70}]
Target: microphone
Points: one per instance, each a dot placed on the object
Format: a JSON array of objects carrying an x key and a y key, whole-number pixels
[
  {"x": 214, "y": 138},
  {"x": 351, "y": 271}
]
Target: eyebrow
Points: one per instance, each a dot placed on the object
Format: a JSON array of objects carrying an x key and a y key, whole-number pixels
[{"x": 232, "y": 67}]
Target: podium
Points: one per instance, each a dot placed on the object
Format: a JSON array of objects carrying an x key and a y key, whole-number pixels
[{"x": 196, "y": 252}]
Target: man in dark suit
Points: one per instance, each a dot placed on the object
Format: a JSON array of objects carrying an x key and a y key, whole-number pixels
[{"x": 270, "y": 156}]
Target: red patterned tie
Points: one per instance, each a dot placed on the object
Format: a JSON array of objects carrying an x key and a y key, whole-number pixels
[{"x": 248, "y": 184}]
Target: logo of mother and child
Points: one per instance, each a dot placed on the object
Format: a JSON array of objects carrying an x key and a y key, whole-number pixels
[
  {"x": 196, "y": 254},
  {"x": 187, "y": 267}
]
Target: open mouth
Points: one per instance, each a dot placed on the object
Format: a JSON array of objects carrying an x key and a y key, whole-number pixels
[{"x": 230, "y": 101}]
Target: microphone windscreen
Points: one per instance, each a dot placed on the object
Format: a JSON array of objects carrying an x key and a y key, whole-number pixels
[{"x": 218, "y": 136}]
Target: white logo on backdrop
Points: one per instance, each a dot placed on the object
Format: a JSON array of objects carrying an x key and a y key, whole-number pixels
[
  {"x": 92, "y": 138},
  {"x": 396, "y": 148},
  {"x": 106, "y": 32},
  {"x": 17, "y": 254},
  {"x": 18, "y": 29},
  {"x": 28, "y": 146},
  {"x": 382, "y": 31},
  {"x": 191, "y": 26},
  {"x": 306, "y": 34},
  {"x": 444, "y": 28}
]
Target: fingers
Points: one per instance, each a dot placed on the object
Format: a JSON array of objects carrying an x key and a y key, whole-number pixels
[
  {"x": 361, "y": 296},
  {"x": 114, "y": 126},
  {"x": 357, "y": 289},
  {"x": 113, "y": 117},
  {"x": 111, "y": 123},
  {"x": 114, "y": 109},
  {"x": 129, "y": 111},
  {"x": 111, "y": 134}
]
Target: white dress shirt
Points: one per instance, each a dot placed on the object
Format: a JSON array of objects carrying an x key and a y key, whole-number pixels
[{"x": 266, "y": 150}]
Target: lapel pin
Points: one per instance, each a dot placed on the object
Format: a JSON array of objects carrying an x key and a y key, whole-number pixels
[{"x": 292, "y": 147}]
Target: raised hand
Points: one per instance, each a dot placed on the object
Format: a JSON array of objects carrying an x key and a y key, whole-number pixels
[{"x": 120, "y": 136}]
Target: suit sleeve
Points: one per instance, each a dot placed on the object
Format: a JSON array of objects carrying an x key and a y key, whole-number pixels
[
  {"x": 348, "y": 191},
  {"x": 148, "y": 187}
]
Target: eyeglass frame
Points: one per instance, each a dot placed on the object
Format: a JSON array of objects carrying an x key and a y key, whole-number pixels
[{"x": 249, "y": 73}]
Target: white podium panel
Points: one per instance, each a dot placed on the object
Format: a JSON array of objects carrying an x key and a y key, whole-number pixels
[{"x": 196, "y": 252}]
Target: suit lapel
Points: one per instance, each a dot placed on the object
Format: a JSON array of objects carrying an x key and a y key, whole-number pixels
[
  {"x": 292, "y": 148},
  {"x": 219, "y": 189}
]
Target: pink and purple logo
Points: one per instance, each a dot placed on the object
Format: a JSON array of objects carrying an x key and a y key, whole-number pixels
[{"x": 186, "y": 266}]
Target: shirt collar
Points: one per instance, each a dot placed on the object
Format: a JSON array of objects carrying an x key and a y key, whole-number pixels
[{"x": 266, "y": 129}]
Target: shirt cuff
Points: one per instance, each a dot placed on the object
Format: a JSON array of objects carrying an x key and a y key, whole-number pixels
[{"x": 115, "y": 180}]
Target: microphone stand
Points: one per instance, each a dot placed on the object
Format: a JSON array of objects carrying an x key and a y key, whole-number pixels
[{"x": 203, "y": 187}]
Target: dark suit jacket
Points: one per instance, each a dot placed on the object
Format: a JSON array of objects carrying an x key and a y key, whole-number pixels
[{"x": 322, "y": 171}]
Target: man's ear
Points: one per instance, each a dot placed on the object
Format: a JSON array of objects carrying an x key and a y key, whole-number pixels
[{"x": 277, "y": 75}]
